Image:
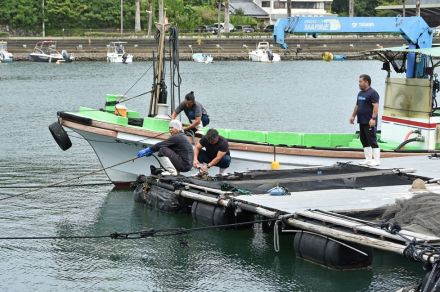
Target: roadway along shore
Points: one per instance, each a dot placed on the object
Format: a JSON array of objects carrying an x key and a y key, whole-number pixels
[{"x": 232, "y": 48}]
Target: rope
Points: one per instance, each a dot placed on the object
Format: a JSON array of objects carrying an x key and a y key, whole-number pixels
[
  {"x": 143, "y": 74},
  {"x": 139, "y": 234},
  {"x": 64, "y": 186},
  {"x": 276, "y": 236},
  {"x": 67, "y": 180}
]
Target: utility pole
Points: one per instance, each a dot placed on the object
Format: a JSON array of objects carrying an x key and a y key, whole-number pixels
[
  {"x": 137, "y": 16},
  {"x": 289, "y": 8},
  {"x": 218, "y": 17},
  {"x": 403, "y": 8},
  {"x": 417, "y": 7},
  {"x": 351, "y": 8},
  {"x": 43, "y": 25},
  {"x": 122, "y": 16},
  {"x": 150, "y": 17},
  {"x": 226, "y": 16}
]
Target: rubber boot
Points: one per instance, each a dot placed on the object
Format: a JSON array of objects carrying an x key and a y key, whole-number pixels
[
  {"x": 368, "y": 152},
  {"x": 169, "y": 167},
  {"x": 376, "y": 157},
  {"x": 222, "y": 171},
  {"x": 199, "y": 131}
]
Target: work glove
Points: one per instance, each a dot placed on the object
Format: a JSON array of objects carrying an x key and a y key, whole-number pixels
[{"x": 145, "y": 152}]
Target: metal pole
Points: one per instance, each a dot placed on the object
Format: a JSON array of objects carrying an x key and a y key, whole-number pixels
[
  {"x": 417, "y": 7},
  {"x": 351, "y": 8},
  {"x": 403, "y": 8},
  {"x": 43, "y": 25},
  {"x": 122, "y": 16},
  {"x": 218, "y": 17},
  {"x": 289, "y": 8},
  {"x": 150, "y": 17}
]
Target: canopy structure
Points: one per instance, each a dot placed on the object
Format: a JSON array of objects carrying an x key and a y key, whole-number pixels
[{"x": 433, "y": 52}]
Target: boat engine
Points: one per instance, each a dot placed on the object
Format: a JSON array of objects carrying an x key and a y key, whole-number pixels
[{"x": 66, "y": 56}]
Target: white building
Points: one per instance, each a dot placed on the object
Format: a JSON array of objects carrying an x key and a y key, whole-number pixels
[{"x": 278, "y": 8}]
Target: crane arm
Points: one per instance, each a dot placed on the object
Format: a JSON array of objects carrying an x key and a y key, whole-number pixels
[{"x": 413, "y": 29}]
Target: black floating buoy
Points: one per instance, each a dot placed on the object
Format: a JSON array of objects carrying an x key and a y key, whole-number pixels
[
  {"x": 330, "y": 253},
  {"x": 60, "y": 136},
  {"x": 211, "y": 214}
]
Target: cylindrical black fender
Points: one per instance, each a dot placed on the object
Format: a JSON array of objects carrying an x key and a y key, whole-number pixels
[
  {"x": 330, "y": 253},
  {"x": 60, "y": 136}
]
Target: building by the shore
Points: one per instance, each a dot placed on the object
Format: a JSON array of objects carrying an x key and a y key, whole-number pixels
[
  {"x": 429, "y": 10},
  {"x": 271, "y": 10}
]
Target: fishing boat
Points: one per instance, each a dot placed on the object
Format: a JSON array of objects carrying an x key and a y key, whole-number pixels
[
  {"x": 5, "y": 56},
  {"x": 202, "y": 58},
  {"x": 263, "y": 53},
  {"x": 410, "y": 124},
  {"x": 46, "y": 51},
  {"x": 116, "y": 53}
]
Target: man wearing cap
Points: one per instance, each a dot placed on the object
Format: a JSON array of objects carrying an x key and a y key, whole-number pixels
[
  {"x": 176, "y": 153},
  {"x": 194, "y": 111},
  {"x": 215, "y": 152}
]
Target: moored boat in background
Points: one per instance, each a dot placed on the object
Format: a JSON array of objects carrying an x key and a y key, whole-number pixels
[
  {"x": 116, "y": 53},
  {"x": 46, "y": 51},
  {"x": 5, "y": 56}
]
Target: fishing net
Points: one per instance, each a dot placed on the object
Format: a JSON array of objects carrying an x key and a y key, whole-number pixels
[
  {"x": 420, "y": 214},
  {"x": 340, "y": 176}
]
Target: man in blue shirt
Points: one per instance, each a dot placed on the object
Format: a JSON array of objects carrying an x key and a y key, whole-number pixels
[{"x": 367, "y": 110}]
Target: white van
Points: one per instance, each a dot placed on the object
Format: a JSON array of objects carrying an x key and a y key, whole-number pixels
[{"x": 222, "y": 26}]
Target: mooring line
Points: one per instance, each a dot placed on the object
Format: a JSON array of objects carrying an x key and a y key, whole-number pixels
[
  {"x": 63, "y": 186},
  {"x": 140, "y": 234},
  {"x": 70, "y": 179}
]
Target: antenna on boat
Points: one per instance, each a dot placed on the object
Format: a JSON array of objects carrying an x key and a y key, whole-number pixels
[{"x": 159, "y": 107}]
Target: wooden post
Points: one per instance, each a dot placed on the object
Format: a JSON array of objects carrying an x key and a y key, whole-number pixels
[{"x": 351, "y": 8}]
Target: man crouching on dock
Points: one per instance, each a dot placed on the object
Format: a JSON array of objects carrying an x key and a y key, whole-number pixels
[
  {"x": 176, "y": 153},
  {"x": 367, "y": 110}
]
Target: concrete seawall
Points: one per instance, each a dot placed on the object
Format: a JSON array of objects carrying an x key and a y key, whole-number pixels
[{"x": 233, "y": 48}]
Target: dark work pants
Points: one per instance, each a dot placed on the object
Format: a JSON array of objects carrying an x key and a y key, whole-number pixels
[
  {"x": 223, "y": 163},
  {"x": 175, "y": 159},
  {"x": 368, "y": 136}
]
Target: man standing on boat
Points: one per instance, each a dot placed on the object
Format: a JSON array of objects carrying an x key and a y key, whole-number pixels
[
  {"x": 196, "y": 113},
  {"x": 216, "y": 152},
  {"x": 176, "y": 153},
  {"x": 367, "y": 110}
]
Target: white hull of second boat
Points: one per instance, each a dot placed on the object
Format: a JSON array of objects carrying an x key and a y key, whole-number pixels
[
  {"x": 261, "y": 56},
  {"x": 117, "y": 58},
  {"x": 6, "y": 57},
  {"x": 111, "y": 151}
]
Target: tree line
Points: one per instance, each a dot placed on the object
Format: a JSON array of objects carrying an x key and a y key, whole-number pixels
[{"x": 82, "y": 15}]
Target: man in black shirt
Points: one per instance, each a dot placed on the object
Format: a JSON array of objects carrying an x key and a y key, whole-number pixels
[
  {"x": 176, "y": 153},
  {"x": 216, "y": 152},
  {"x": 194, "y": 111},
  {"x": 367, "y": 110}
]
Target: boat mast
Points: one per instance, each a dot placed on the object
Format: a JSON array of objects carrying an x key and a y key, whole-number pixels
[{"x": 159, "y": 88}]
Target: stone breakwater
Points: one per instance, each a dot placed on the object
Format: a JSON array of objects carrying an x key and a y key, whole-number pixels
[{"x": 232, "y": 48}]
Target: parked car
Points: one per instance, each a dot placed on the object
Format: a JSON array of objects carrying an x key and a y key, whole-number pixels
[
  {"x": 245, "y": 28},
  {"x": 436, "y": 31},
  {"x": 222, "y": 27},
  {"x": 205, "y": 28},
  {"x": 268, "y": 28}
]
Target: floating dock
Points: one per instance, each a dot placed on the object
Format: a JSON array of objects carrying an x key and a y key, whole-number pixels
[{"x": 335, "y": 211}]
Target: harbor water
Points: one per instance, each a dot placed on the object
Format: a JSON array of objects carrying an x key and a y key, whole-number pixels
[{"x": 307, "y": 96}]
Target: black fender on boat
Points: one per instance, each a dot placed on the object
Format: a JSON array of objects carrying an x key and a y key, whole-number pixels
[{"x": 60, "y": 136}]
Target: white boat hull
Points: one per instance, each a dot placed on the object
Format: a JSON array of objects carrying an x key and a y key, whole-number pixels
[
  {"x": 6, "y": 57},
  {"x": 117, "y": 58},
  {"x": 111, "y": 151},
  {"x": 259, "y": 56}
]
